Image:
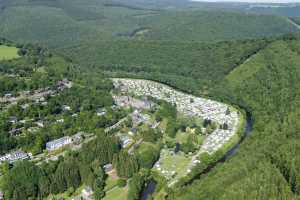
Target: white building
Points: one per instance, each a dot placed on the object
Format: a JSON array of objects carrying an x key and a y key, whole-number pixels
[
  {"x": 87, "y": 193},
  {"x": 14, "y": 156},
  {"x": 56, "y": 144}
]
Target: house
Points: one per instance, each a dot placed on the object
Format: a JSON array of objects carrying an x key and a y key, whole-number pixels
[
  {"x": 138, "y": 118},
  {"x": 126, "y": 141},
  {"x": 39, "y": 100},
  {"x": 87, "y": 192},
  {"x": 108, "y": 168},
  {"x": 40, "y": 124},
  {"x": 13, "y": 120},
  {"x": 17, "y": 155},
  {"x": 66, "y": 108},
  {"x": 60, "y": 120},
  {"x": 23, "y": 121},
  {"x": 77, "y": 198},
  {"x": 8, "y": 95},
  {"x": 63, "y": 84},
  {"x": 15, "y": 131},
  {"x": 101, "y": 112},
  {"x": 44, "y": 103},
  {"x": 56, "y": 144},
  {"x": 155, "y": 125},
  {"x": 14, "y": 156},
  {"x": 77, "y": 138},
  {"x": 25, "y": 106},
  {"x": 132, "y": 131},
  {"x": 33, "y": 129}
]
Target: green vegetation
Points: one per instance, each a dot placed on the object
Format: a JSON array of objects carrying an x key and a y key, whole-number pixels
[
  {"x": 197, "y": 26},
  {"x": 83, "y": 167},
  {"x": 177, "y": 163},
  {"x": 188, "y": 66},
  {"x": 60, "y": 24},
  {"x": 125, "y": 164},
  {"x": 147, "y": 154},
  {"x": 7, "y": 53},
  {"x": 271, "y": 93},
  {"x": 201, "y": 52},
  {"x": 116, "y": 194},
  {"x": 110, "y": 183}
]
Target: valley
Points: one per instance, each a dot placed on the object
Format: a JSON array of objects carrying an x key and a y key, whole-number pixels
[{"x": 149, "y": 100}]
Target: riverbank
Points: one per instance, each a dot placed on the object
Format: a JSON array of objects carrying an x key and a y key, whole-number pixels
[
  {"x": 245, "y": 128},
  {"x": 187, "y": 104}
]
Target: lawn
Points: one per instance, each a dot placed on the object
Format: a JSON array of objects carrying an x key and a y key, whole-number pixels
[
  {"x": 173, "y": 162},
  {"x": 111, "y": 181},
  {"x": 116, "y": 194},
  {"x": 182, "y": 137},
  {"x": 7, "y": 52}
]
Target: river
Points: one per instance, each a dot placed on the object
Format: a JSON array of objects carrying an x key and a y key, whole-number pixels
[{"x": 150, "y": 188}]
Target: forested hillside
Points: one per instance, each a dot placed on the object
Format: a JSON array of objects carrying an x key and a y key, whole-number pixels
[
  {"x": 266, "y": 166},
  {"x": 72, "y": 23},
  {"x": 213, "y": 26},
  {"x": 193, "y": 67}
]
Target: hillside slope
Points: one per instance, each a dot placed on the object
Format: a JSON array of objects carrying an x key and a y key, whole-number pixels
[
  {"x": 62, "y": 23},
  {"x": 214, "y": 25},
  {"x": 266, "y": 166},
  {"x": 189, "y": 66}
]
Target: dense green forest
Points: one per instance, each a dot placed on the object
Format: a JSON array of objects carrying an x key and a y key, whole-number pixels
[
  {"x": 190, "y": 66},
  {"x": 63, "y": 23},
  {"x": 266, "y": 165}
]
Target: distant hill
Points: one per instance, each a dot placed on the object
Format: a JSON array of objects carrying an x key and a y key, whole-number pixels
[
  {"x": 62, "y": 23},
  {"x": 214, "y": 25}
]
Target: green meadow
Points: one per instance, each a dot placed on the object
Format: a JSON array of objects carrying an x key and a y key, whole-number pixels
[{"x": 7, "y": 53}]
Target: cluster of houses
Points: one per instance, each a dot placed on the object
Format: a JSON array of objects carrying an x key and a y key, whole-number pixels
[
  {"x": 50, "y": 146},
  {"x": 14, "y": 156},
  {"x": 188, "y": 105},
  {"x": 225, "y": 117},
  {"x": 138, "y": 118},
  {"x": 216, "y": 140},
  {"x": 38, "y": 95}
]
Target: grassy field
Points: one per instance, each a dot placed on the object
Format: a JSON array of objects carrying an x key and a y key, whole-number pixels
[
  {"x": 116, "y": 194},
  {"x": 111, "y": 181},
  {"x": 7, "y": 53},
  {"x": 175, "y": 162}
]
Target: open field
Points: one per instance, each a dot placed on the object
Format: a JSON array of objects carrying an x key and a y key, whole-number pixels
[
  {"x": 111, "y": 181},
  {"x": 7, "y": 52},
  {"x": 116, "y": 194},
  {"x": 173, "y": 163}
]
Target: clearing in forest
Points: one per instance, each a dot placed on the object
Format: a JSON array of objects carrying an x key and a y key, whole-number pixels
[{"x": 7, "y": 53}]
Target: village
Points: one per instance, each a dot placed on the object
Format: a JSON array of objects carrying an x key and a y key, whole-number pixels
[
  {"x": 189, "y": 106},
  {"x": 225, "y": 116},
  {"x": 133, "y": 96}
]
